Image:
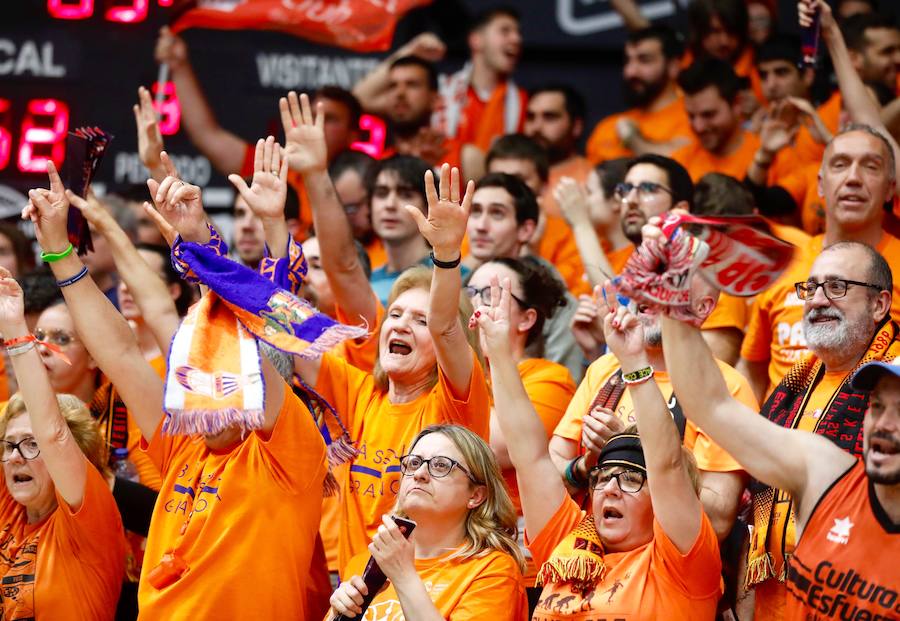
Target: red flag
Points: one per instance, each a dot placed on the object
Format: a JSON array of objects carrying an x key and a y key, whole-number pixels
[{"x": 360, "y": 25}]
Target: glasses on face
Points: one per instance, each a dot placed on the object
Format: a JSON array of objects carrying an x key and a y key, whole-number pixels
[
  {"x": 57, "y": 337},
  {"x": 833, "y": 289},
  {"x": 629, "y": 481},
  {"x": 27, "y": 447},
  {"x": 647, "y": 190},
  {"x": 484, "y": 294},
  {"x": 438, "y": 466}
]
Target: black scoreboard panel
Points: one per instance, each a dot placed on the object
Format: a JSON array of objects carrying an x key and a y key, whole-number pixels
[{"x": 72, "y": 63}]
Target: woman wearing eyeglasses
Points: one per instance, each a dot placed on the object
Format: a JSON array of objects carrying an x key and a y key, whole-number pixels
[
  {"x": 62, "y": 550},
  {"x": 646, "y": 550},
  {"x": 427, "y": 371},
  {"x": 536, "y": 294},
  {"x": 461, "y": 561}
]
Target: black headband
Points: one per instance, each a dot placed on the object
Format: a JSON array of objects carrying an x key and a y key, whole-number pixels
[{"x": 623, "y": 450}]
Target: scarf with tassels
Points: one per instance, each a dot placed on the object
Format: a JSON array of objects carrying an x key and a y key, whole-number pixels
[
  {"x": 214, "y": 378},
  {"x": 841, "y": 422},
  {"x": 577, "y": 560}
]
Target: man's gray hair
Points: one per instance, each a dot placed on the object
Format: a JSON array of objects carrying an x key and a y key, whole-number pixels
[{"x": 868, "y": 129}]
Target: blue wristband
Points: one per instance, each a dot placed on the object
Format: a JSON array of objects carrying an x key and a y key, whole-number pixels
[{"x": 72, "y": 280}]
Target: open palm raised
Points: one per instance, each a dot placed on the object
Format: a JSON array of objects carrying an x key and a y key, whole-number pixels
[
  {"x": 304, "y": 133},
  {"x": 445, "y": 225}
]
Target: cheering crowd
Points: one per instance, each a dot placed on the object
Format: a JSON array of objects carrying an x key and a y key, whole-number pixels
[{"x": 428, "y": 360}]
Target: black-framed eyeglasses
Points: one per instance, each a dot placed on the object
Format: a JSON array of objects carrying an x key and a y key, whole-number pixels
[
  {"x": 645, "y": 189},
  {"x": 57, "y": 337},
  {"x": 485, "y": 294},
  {"x": 629, "y": 481},
  {"x": 28, "y": 448},
  {"x": 439, "y": 466},
  {"x": 833, "y": 289}
]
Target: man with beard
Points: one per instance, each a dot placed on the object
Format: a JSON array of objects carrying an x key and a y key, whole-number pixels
[
  {"x": 601, "y": 407},
  {"x": 720, "y": 144},
  {"x": 856, "y": 179},
  {"x": 655, "y": 121},
  {"x": 874, "y": 44},
  {"x": 811, "y": 484},
  {"x": 555, "y": 119}
]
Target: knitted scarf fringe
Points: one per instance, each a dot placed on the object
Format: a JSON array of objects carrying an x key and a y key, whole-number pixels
[
  {"x": 211, "y": 422},
  {"x": 582, "y": 573}
]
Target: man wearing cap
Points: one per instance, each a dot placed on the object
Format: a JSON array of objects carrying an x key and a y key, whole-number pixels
[{"x": 810, "y": 483}]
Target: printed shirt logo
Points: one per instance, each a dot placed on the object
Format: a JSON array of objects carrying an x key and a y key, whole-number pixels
[{"x": 840, "y": 532}]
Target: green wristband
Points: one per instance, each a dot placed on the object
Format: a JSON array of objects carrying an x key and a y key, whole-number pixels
[{"x": 50, "y": 257}]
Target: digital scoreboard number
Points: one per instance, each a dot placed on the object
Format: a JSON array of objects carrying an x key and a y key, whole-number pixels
[{"x": 73, "y": 63}]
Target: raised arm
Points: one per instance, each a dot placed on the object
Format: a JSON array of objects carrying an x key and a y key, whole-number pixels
[
  {"x": 149, "y": 138},
  {"x": 224, "y": 149},
  {"x": 444, "y": 229},
  {"x": 631, "y": 14},
  {"x": 150, "y": 292},
  {"x": 803, "y": 464},
  {"x": 372, "y": 90},
  {"x": 861, "y": 107},
  {"x": 574, "y": 204},
  {"x": 267, "y": 193},
  {"x": 676, "y": 505},
  {"x": 540, "y": 486},
  {"x": 104, "y": 332},
  {"x": 306, "y": 153},
  {"x": 60, "y": 452}
]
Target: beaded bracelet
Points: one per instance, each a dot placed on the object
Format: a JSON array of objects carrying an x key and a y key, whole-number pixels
[
  {"x": 50, "y": 257},
  {"x": 72, "y": 280}
]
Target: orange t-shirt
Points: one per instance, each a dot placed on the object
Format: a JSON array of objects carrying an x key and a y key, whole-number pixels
[
  {"x": 557, "y": 245},
  {"x": 698, "y": 161},
  {"x": 383, "y": 431},
  {"x": 147, "y": 470},
  {"x": 663, "y": 125},
  {"x": 775, "y": 326},
  {"x": 846, "y": 559},
  {"x": 361, "y": 354},
  {"x": 70, "y": 565},
  {"x": 377, "y": 254},
  {"x": 487, "y": 587},
  {"x": 654, "y": 581},
  {"x": 575, "y": 167},
  {"x": 790, "y": 234},
  {"x": 709, "y": 455},
  {"x": 771, "y": 595},
  {"x": 830, "y": 111},
  {"x": 618, "y": 258},
  {"x": 730, "y": 312},
  {"x": 249, "y": 515},
  {"x": 295, "y": 180},
  {"x": 482, "y": 121},
  {"x": 549, "y": 387},
  {"x": 803, "y": 187}
]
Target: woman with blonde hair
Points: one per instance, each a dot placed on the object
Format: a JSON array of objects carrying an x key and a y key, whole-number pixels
[
  {"x": 62, "y": 549},
  {"x": 428, "y": 371},
  {"x": 462, "y": 560}
]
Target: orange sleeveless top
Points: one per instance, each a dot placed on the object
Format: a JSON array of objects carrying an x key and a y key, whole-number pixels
[{"x": 845, "y": 566}]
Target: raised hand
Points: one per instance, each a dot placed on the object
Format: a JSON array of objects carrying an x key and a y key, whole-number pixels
[
  {"x": 587, "y": 327},
  {"x": 428, "y": 145},
  {"x": 427, "y": 46},
  {"x": 777, "y": 130},
  {"x": 179, "y": 203},
  {"x": 806, "y": 11},
  {"x": 623, "y": 330},
  {"x": 165, "y": 229},
  {"x": 170, "y": 49},
  {"x": 149, "y": 138},
  {"x": 92, "y": 210},
  {"x": 268, "y": 190},
  {"x": 817, "y": 128},
  {"x": 445, "y": 225},
  {"x": 493, "y": 320},
  {"x": 12, "y": 304},
  {"x": 573, "y": 202},
  {"x": 48, "y": 210},
  {"x": 305, "y": 148}
]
